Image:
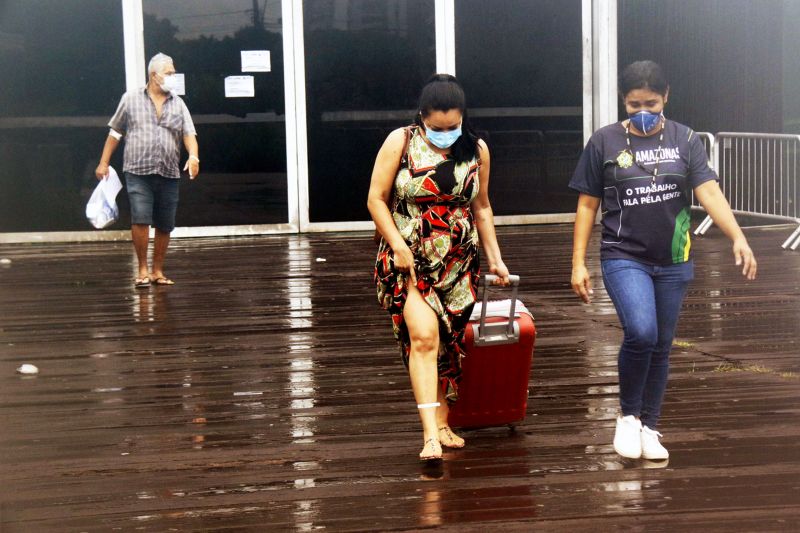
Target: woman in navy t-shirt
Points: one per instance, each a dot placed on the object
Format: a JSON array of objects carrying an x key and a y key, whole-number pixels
[{"x": 642, "y": 170}]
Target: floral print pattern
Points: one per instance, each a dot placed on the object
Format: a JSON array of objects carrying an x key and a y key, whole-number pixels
[{"x": 432, "y": 196}]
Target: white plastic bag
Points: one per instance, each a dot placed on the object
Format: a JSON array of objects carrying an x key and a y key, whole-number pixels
[{"x": 102, "y": 210}]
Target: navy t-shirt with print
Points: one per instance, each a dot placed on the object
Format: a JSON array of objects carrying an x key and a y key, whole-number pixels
[{"x": 643, "y": 221}]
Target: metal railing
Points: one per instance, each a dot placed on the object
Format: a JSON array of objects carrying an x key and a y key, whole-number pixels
[
  {"x": 759, "y": 176},
  {"x": 708, "y": 144}
]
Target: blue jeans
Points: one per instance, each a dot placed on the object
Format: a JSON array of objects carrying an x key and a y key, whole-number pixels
[
  {"x": 153, "y": 199},
  {"x": 648, "y": 300}
]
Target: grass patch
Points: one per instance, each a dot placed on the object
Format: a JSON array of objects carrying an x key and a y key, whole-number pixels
[
  {"x": 682, "y": 344},
  {"x": 755, "y": 369}
]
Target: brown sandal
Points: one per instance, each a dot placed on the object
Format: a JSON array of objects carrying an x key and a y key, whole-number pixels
[
  {"x": 450, "y": 441},
  {"x": 435, "y": 456}
]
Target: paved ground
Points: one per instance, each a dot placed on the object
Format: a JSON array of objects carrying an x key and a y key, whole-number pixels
[{"x": 263, "y": 392}]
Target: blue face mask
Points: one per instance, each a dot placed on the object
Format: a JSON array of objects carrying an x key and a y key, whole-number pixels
[
  {"x": 443, "y": 139},
  {"x": 645, "y": 121}
]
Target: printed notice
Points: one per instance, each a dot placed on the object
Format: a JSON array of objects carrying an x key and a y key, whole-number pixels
[
  {"x": 180, "y": 84},
  {"x": 256, "y": 61},
  {"x": 239, "y": 87}
]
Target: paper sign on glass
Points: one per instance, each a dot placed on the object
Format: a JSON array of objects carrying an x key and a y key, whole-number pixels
[
  {"x": 239, "y": 87},
  {"x": 256, "y": 61},
  {"x": 180, "y": 84}
]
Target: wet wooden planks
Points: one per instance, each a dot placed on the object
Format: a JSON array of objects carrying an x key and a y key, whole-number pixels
[{"x": 263, "y": 392}]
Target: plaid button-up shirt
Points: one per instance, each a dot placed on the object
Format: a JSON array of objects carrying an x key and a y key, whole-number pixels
[{"x": 152, "y": 144}]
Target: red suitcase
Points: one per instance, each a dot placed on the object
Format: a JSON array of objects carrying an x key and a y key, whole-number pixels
[{"x": 494, "y": 382}]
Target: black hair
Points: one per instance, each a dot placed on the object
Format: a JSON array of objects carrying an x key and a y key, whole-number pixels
[
  {"x": 442, "y": 92},
  {"x": 643, "y": 75}
]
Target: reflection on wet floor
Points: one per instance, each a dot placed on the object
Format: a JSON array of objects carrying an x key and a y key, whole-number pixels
[
  {"x": 265, "y": 393},
  {"x": 301, "y": 365}
]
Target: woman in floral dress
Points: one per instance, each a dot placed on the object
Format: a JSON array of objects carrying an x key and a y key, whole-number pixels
[{"x": 429, "y": 201}]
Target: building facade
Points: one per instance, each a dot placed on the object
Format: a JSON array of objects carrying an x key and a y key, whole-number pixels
[{"x": 295, "y": 154}]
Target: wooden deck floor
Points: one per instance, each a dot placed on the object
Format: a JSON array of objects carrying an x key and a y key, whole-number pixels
[{"x": 263, "y": 392}]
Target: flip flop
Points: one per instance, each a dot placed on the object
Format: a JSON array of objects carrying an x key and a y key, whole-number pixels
[
  {"x": 163, "y": 281},
  {"x": 141, "y": 282}
]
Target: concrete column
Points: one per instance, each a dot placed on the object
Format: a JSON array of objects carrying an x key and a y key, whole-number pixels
[
  {"x": 604, "y": 63},
  {"x": 133, "y": 36}
]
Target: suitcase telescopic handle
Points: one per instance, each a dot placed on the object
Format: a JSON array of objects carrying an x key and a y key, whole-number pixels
[
  {"x": 511, "y": 334},
  {"x": 513, "y": 278}
]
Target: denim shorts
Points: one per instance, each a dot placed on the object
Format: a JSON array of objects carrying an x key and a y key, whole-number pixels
[{"x": 153, "y": 199}]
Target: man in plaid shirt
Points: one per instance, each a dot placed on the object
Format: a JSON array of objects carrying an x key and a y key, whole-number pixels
[{"x": 154, "y": 122}]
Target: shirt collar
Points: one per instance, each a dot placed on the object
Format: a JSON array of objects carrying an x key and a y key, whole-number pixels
[{"x": 144, "y": 90}]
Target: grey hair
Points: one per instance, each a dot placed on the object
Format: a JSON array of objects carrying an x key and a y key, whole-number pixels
[{"x": 157, "y": 62}]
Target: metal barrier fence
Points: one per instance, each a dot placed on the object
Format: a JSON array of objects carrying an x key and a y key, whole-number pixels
[
  {"x": 758, "y": 175},
  {"x": 708, "y": 144}
]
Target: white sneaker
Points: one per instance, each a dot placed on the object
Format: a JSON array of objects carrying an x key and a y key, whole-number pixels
[
  {"x": 628, "y": 437},
  {"x": 651, "y": 447}
]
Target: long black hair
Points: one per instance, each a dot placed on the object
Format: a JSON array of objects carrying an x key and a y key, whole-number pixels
[
  {"x": 442, "y": 92},
  {"x": 643, "y": 75}
]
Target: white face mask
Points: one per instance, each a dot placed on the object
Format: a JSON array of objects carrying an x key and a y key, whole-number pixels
[{"x": 169, "y": 83}]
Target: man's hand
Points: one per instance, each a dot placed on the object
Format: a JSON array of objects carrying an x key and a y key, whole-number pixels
[
  {"x": 101, "y": 171},
  {"x": 193, "y": 166}
]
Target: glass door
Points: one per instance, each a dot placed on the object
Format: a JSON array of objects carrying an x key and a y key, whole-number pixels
[
  {"x": 230, "y": 53},
  {"x": 63, "y": 71},
  {"x": 520, "y": 62},
  {"x": 365, "y": 62}
]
